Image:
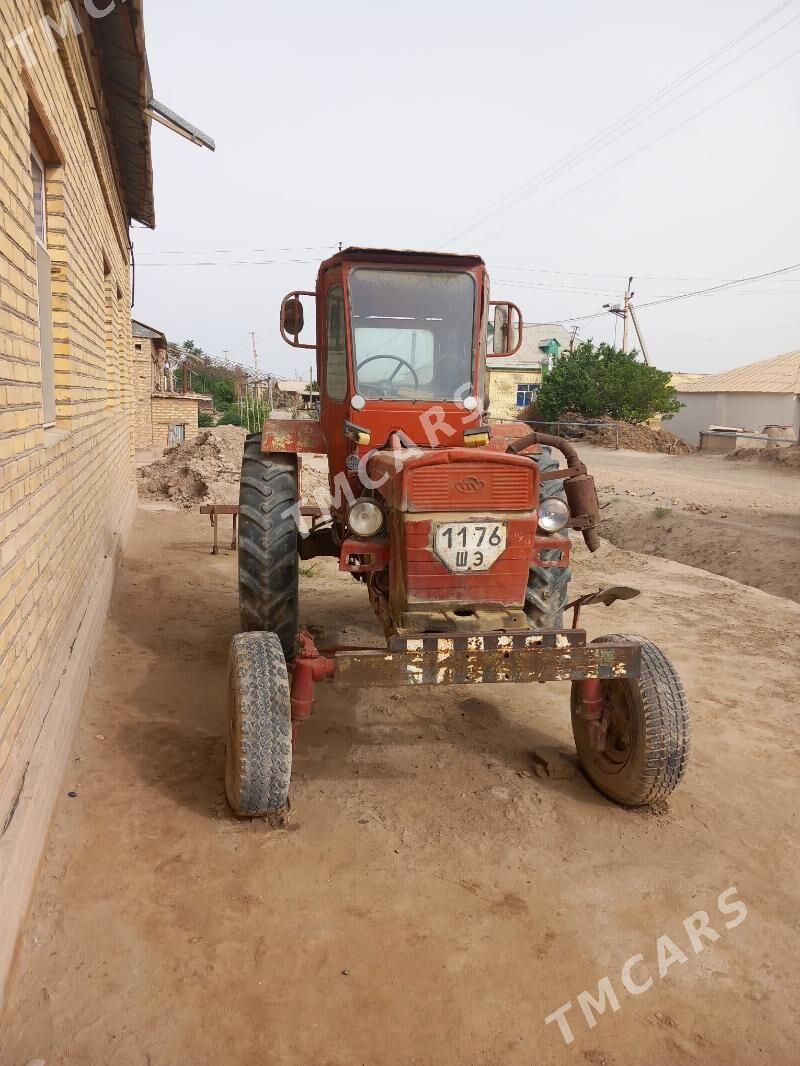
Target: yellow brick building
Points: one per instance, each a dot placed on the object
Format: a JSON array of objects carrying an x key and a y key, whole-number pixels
[
  {"x": 513, "y": 381},
  {"x": 165, "y": 414},
  {"x": 74, "y": 170}
]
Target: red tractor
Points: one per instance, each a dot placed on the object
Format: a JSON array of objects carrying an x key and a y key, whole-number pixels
[{"x": 458, "y": 528}]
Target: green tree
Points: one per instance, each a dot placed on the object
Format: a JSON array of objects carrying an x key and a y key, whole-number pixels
[{"x": 600, "y": 380}]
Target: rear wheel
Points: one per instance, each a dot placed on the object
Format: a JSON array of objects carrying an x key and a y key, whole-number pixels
[
  {"x": 546, "y": 595},
  {"x": 258, "y": 761},
  {"x": 268, "y": 560},
  {"x": 647, "y": 743}
]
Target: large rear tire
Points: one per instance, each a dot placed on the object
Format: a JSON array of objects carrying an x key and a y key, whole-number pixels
[
  {"x": 268, "y": 559},
  {"x": 546, "y": 595},
  {"x": 647, "y": 744},
  {"x": 258, "y": 761}
]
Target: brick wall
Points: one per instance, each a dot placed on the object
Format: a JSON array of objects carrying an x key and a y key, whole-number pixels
[
  {"x": 143, "y": 391},
  {"x": 63, "y": 491},
  {"x": 171, "y": 409},
  {"x": 503, "y": 390}
]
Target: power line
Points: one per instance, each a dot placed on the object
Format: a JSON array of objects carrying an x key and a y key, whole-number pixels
[
  {"x": 697, "y": 292},
  {"x": 237, "y": 262},
  {"x": 644, "y": 147},
  {"x": 239, "y": 251},
  {"x": 718, "y": 288},
  {"x": 577, "y": 154}
]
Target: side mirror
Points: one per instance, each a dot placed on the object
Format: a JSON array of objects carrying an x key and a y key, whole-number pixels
[
  {"x": 507, "y": 337},
  {"x": 293, "y": 319},
  {"x": 293, "y": 316}
]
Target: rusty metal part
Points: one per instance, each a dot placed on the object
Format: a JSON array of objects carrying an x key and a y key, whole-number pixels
[
  {"x": 292, "y": 435},
  {"x": 593, "y": 712},
  {"x": 457, "y": 659},
  {"x": 579, "y": 486},
  {"x": 215, "y": 510},
  {"x": 453, "y": 659},
  {"x": 605, "y": 596}
]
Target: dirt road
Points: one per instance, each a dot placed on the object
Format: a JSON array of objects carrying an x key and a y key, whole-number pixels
[
  {"x": 431, "y": 901},
  {"x": 738, "y": 520}
]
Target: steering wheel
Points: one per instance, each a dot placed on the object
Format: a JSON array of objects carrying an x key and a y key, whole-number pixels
[{"x": 387, "y": 381}]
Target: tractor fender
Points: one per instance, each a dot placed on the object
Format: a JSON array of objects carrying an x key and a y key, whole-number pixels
[{"x": 293, "y": 435}]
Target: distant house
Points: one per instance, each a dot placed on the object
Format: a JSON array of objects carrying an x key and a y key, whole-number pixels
[
  {"x": 754, "y": 398},
  {"x": 512, "y": 382},
  {"x": 300, "y": 392},
  {"x": 165, "y": 413}
]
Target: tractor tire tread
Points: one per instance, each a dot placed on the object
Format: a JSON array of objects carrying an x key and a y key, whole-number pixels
[
  {"x": 268, "y": 559},
  {"x": 259, "y": 755}
]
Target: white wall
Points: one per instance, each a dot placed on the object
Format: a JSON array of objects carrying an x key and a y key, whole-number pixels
[{"x": 750, "y": 411}]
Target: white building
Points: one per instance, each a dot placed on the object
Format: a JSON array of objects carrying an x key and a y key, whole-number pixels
[{"x": 755, "y": 398}]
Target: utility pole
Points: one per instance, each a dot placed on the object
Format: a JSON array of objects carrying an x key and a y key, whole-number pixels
[
  {"x": 627, "y": 312},
  {"x": 642, "y": 345},
  {"x": 626, "y": 309},
  {"x": 255, "y": 353},
  {"x": 573, "y": 338}
]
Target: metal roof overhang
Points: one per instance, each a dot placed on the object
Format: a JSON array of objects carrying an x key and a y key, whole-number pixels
[{"x": 125, "y": 74}]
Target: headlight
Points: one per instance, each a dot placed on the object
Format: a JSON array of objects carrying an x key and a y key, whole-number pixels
[
  {"x": 553, "y": 515},
  {"x": 365, "y": 518}
]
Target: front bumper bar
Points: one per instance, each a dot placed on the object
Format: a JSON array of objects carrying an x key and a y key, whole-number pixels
[{"x": 463, "y": 659}]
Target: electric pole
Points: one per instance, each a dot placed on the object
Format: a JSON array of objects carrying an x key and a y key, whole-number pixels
[
  {"x": 573, "y": 338},
  {"x": 627, "y": 312},
  {"x": 255, "y": 353},
  {"x": 626, "y": 309},
  {"x": 642, "y": 346}
]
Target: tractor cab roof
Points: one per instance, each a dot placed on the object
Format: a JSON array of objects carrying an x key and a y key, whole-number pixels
[{"x": 407, "y": 257}]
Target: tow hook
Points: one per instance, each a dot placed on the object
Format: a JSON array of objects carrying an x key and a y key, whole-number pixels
[{"x": 593, "y": 712}]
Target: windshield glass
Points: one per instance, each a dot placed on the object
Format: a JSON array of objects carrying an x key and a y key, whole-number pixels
[{"x": 412, "y": 332}]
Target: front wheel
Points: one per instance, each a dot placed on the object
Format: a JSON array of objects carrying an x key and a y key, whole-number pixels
[
  {"x": 258, "y": 760},
  {"x": 647, "y": 742}
]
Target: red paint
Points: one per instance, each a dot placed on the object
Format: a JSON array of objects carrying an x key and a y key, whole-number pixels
[
  {"x": 430, "y": 481},
  {"x": 377, "y": 550},
  {"x": 309, "y": 669},
  {"x": 292, "y": 435}
]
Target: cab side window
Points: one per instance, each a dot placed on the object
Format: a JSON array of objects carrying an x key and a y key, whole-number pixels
[{"x": 336, "y": 357}]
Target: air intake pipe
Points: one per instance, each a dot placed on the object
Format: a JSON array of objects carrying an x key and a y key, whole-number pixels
[{"x": 578, "y": 485}]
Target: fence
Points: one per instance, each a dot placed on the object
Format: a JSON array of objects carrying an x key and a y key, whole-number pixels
[{"x": 556, "y": 427}]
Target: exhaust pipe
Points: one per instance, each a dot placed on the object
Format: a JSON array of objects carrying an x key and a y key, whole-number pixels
[{"x": 579, "y": 485}]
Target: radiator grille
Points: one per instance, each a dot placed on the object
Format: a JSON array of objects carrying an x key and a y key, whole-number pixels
[{"x": 464, "y": 486}]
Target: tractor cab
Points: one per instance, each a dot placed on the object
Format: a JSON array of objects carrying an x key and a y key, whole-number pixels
[{"x": 401, "y": 344}]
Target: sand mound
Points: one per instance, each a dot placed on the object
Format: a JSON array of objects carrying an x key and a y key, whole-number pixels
[
  {"x": 207, "y": 470},
  {"x": 203, "y": 470},
  {"x": 634, "y": 437},
  {"x": 786, "y": 458}
]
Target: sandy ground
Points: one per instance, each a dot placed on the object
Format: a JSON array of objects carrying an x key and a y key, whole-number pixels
[
  {"x": 735, "y": 519},
  {"x": 431, "y": 901}
]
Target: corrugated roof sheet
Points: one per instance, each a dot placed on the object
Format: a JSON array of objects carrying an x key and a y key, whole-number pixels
[
  {"x": 119, "y": 37},
  {"x": 141, "y": 329},
  {"x": 534, "y": 334},
  {"x": 781, "y": 374}
]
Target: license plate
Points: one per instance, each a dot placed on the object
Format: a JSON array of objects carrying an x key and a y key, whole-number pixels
[{"x": 469, "y": 547}]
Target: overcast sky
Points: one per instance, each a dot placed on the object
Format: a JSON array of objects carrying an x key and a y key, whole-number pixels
[{"x": 395, "y": 125}]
